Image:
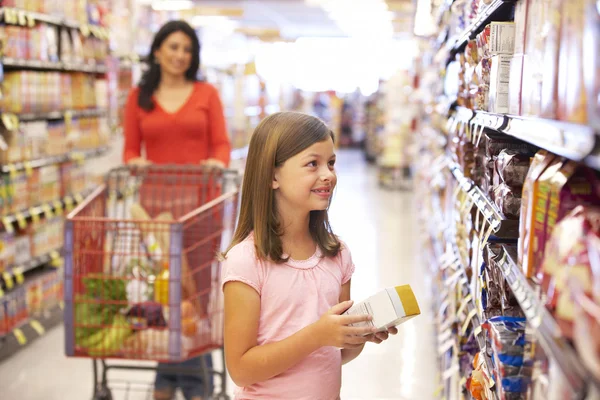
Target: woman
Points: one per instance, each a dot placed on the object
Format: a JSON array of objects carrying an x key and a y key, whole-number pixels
[{"x": 177, "y": 120}]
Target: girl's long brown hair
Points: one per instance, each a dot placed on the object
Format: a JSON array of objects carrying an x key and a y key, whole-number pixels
[{"x": 276, "y": 139}]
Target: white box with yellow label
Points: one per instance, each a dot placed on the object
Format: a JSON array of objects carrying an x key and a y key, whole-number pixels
[{"x": 389, "y": 307}]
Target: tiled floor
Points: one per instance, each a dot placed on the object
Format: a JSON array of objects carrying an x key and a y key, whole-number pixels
[{"x": 379, "y": 227}]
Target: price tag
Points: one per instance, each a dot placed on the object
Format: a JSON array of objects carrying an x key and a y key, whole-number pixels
[
  {"x": 85, "y": 30},
  {"x": 463, "y": 304},
  {"x": 28, "y": 168},
  {"x": 21, "y": 339},
  {"x": 58, "y": 207},
  {"x": 478, "y": 330},
  {"x": 37, "y": 327},
  {"x": 8, "y": 226},
  {"x": 22, "y": 17},
  {"x": 61, "y": 305},
  {"x": 78, "y": 198},
  {"x": 30, "y": 21},
  {"x": 18, "y": 272},
  {"x": 68, "y": 203},
  {"x": 35, "y": 214},
  {"x": 12, "y": 171},
  {"x": 1, "y": 293},
  {"x": 78, "y": 157},
  {"x": 10, "y": 16},
  {"x": 8, "y": 280},
  {"x": 68, "y": 120},
  {"x": 47, "y": 211},
  {"x": 21, "y": 220},
  {"x": 463, "y": 382},
  {"x": 468, "y": 321}
]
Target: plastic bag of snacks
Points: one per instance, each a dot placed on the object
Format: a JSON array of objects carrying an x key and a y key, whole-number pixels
[
  {"x": 586, "y": 297},
  {"x": 567, "y": 261}
]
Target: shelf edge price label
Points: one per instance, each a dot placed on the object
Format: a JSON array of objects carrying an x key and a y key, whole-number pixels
[
  {"x": 28, "y": 168},
  {"x": 78, "y": 198},
  {"x": 20, "y": 336},
  {"x": 8, "y": 226},
  {"x": 22, "y": 18},
  {"x": 21, "y": 220},
  {"x": 58, "y": 207},
  {"x": 85, "y": 30},
  {"x": 12, "y": 171},
  {"x": 8, "y": 280},
  {"x": 78, "y": 157},
  {"x": 37, "y": 327},
  {"x": 69, "y": 203},
  {"x": 10, "y": 16},
  {"x": 1, "y": 293},
  {"x": 56, "y": 260},
  {"x": 47, "y": 211},
  {"x": 35, "y": 214},
  {"x": 10, "y": 121},
  {"x": 18, "y": 272},
  {"x": 31, "y": 21}
]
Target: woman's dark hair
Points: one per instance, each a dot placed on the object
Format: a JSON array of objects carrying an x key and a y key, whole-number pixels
[{"x": 151, "y": 78}]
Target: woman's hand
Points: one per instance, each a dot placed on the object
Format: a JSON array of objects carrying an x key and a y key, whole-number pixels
[
  {"x": 333, "y": 328},
  {"x": 212, "y": 162},
  {"x": 379, "y": 337},
  {"x": 139, "y": 161}
]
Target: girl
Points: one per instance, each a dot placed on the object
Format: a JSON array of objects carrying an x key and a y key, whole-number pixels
[
  {"x": 177, "y": 120},
  {"x": 286, "y": 276}
]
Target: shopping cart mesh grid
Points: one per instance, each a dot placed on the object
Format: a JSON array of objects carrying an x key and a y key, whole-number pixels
[{"x": 142, "y": 271}]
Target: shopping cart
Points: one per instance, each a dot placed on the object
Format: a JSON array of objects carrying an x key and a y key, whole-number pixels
[{"x": 142, "y": 272}]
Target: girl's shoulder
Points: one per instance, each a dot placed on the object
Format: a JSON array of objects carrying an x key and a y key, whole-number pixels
[{"x": 243, "y": 250}]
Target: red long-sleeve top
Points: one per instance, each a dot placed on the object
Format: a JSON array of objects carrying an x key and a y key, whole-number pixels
[{"x": 191, "y": 134}]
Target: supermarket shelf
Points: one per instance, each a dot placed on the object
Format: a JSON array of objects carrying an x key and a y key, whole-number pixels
[
  {"x": 30, "y": 331},
  {"x": 10, "y": 63},
  {"x": 46, "y": 161},
  {"x": 497, "y": 11},
  {"x": 546, "y": 329},
  {"x": 94, "y": 112},
  {"x": 30, "y": 18},
  {"x": 576, "y": 142},
  {"x": 502, "y": 227},
  {"x": 18, "y": 220},
  {"x": 15, "y": 273}
]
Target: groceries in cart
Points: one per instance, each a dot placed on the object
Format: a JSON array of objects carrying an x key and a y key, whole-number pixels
[{"x": 142, "y": 268}]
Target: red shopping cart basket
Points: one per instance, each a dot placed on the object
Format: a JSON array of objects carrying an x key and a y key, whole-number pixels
[{"x": 142, "y": 273}]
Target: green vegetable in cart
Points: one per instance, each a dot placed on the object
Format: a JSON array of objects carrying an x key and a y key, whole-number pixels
[{"x": 114, "y": 339}]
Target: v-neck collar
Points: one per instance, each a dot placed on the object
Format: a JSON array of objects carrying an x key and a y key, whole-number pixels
[{"x": 181, "y": 107}]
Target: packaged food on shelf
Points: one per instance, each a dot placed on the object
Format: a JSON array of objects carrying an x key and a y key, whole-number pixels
[
  {"x": 572, "y": 96},
  {"x": 537, "y": 238},
  {"x": 7, "y": 250},
  {"x": 591, "y": 62},
  {"x": 512, "y": 168},
  {"x": 567, "y": 259},
  {"x": 480, "y": 383},
  {"x": 508, "y": 341},
  {"x": 497, "y": 38},
  {"x": 586, "y": 310},
  {"x": 499, "y": 84},
  {"x": 551, "y": 33},
  {"x": 508, "y": 201},
  {"x": 540, "y": 162},
  {"x": 22, "y": 245},
  {"x": 18, "y": 193}
]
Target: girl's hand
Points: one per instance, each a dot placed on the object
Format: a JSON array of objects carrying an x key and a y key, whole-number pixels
[
  {"x": 139, "y": 161},
  {"x": 213, "y": 162},
  {"x": 333, "y": 330},
  {"x": 379, "y": 337}
]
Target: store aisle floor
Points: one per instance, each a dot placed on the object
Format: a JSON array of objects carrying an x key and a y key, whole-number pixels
[{"x": 380, "y": 228}]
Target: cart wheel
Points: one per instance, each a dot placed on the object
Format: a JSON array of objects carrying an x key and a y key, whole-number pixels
[{"x": 103, "y": 393}]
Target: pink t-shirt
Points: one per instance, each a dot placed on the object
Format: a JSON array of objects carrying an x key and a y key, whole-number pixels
[{"x": 292, "y": 296}]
